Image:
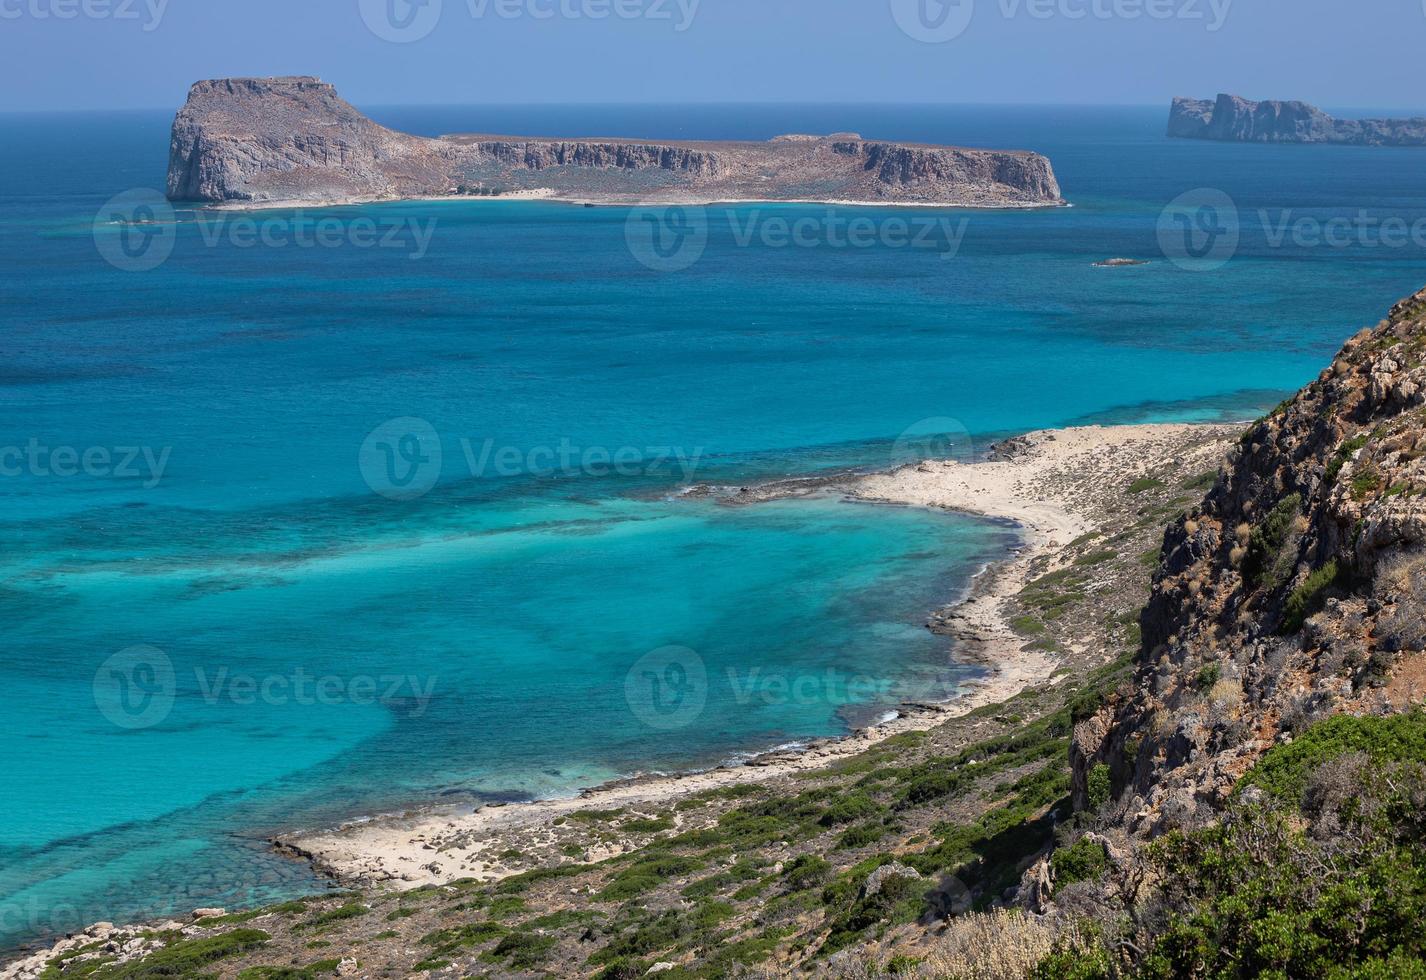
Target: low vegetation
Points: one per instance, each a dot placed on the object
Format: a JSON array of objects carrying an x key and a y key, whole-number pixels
[{"x": 1317, "y": 870}]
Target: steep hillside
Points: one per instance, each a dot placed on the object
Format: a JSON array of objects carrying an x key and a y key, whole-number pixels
[{"x": 1297, "y": 590}]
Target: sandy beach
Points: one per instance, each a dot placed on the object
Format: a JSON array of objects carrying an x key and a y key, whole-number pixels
[
  {"x": 549, "y": 194},
  {"x": 1052, "y": 484}
]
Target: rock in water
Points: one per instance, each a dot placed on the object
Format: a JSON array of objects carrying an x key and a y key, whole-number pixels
[
  {"x": 1235, "y": 119},
  {"x": 295, "y": 140}
]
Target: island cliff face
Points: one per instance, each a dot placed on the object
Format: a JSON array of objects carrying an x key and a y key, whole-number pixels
[
  {"x": 294, "y": 140},
  {"x": 1296, "y": 591},
  {"x": 1233, "y": 119}
]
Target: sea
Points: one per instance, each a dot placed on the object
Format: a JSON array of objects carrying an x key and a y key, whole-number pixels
[{"x": 309, "y": 516}]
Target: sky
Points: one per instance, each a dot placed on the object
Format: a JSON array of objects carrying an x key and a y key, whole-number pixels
[{"x": 103, "y": 54}]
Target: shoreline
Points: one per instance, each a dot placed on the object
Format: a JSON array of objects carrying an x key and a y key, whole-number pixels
[
  {"x": 552, "y": 196},
  {"x": 439, "y": 843}
]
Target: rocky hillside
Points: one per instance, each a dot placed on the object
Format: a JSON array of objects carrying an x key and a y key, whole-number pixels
[
  {"x": 252, "y": 139},
  {"x": 295, "y": 140},
  {"x": 1294, "y": 592},
  {"x": 1235, "y": 119}
]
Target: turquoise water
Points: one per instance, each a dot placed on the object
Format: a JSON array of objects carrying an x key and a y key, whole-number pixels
[{"x": 256, "y": 625}]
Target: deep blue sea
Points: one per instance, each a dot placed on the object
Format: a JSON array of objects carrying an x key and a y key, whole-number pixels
[{"x": 337, "y": 512}]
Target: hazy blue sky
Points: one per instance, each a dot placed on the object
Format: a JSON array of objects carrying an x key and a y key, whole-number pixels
[{"x": 145, "y": 53}]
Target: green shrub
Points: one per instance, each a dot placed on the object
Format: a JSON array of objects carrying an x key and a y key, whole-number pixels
[
  {"x": 310, "y": 972},
  {"x": 350, "y": 910},
  {"x": 1207, "y": 676},
  {"x": 1084, "y": 860},
  {"x": 863, "y": 835},
  {"x": 447, "y": 941},
  {"x": 1308, "y": 598},
  {"x": 647, "y": 874},
  {"x": 1284, "y": 772},
  {"x": 1343, "y": 455},
  {"x": 1099, "y": 786},
  {"x": 1027, "y": 625},
  {"x": 1268, "y": 539},
  {"x": 522, "y": 950},
  {"x": 807, "y": 871},
  {"x": 849, "y": 809},
  {"x": 647, "y": 825},
  {"x": 1366, "y": 481},
  {"x": 188, "y": 957}
]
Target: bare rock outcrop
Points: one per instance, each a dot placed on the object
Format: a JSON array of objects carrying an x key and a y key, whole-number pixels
[
  {"x": 1295, "y": 591},
  {"x": 294, "y": 140},
  {"x": 1234, "y": 119}
]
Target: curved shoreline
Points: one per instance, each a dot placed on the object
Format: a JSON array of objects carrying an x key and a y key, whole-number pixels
[
  {"x": 1051, "y": 483},
  {"x": 1028, "y": 481}
]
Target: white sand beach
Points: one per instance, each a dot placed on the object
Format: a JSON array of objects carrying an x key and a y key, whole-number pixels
[{"x": 1051, "y": 483}]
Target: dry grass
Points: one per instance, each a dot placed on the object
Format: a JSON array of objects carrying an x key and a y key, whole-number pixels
[{"x": 1000, "y": 945}]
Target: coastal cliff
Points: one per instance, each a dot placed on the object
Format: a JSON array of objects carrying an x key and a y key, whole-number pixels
[
  {"x": 295, "y": 140},
  {"x": 1234, "y": 119},
  {"x": 1295, "y": 591}
]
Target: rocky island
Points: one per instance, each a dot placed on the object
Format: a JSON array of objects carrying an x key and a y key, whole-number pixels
[
  {"x": 1237, "y": 120},
  {"x": 276, "y": 141}
]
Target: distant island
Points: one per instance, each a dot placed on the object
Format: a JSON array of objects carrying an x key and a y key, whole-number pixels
[
  {"x": 1234, "y": 119},
  {"x": 275, "y": 141}
]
